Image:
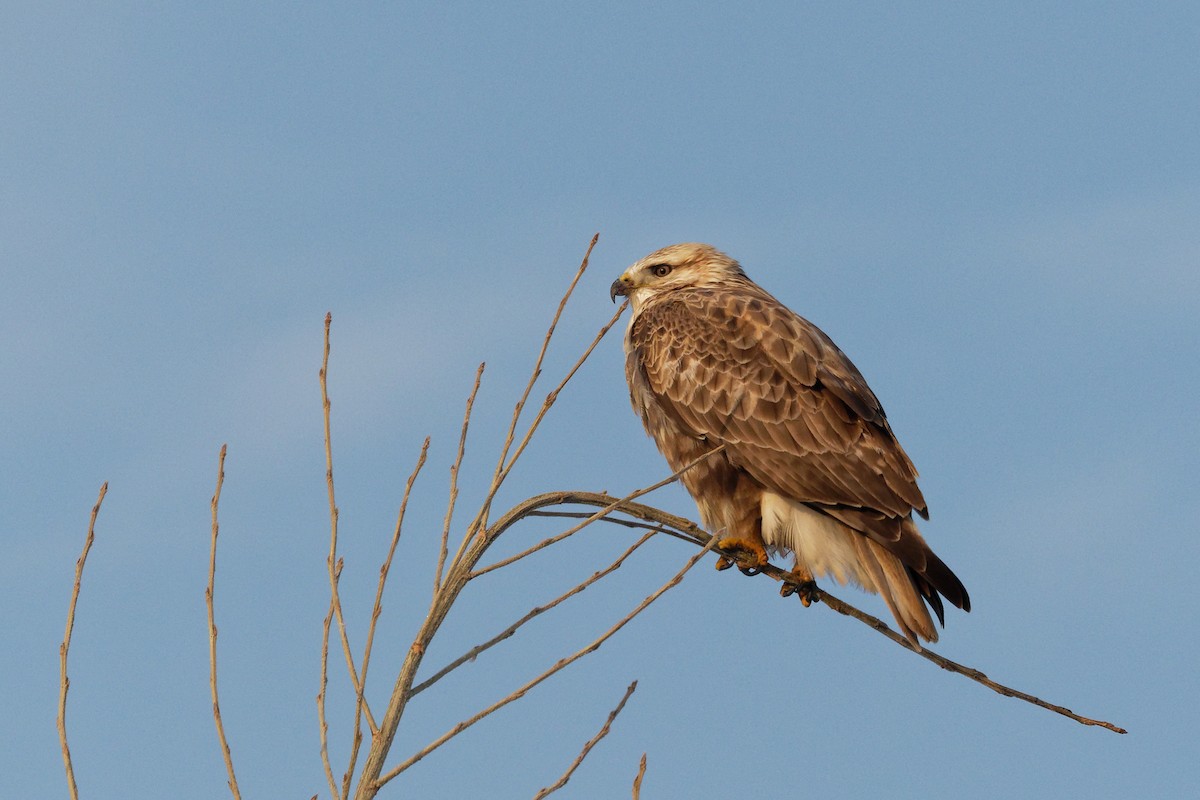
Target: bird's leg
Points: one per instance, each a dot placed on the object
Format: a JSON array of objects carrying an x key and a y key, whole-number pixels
[
  {"x": 743, "y": 540},
  {"x": 749, "y": 555},
  {"x": 800, "y": 583}
]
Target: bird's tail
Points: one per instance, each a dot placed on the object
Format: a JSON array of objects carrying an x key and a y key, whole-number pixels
[{"x": 895, "y": 584}]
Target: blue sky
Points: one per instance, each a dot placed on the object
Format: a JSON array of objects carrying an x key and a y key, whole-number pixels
[{"x": 991, "y": 207}]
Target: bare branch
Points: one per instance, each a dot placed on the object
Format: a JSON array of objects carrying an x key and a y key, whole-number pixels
[
  {"x": 553, "y": 395},
  {"x": 531, "y": 504},
  {"x": 557, "y": 667},
  {"x": 322, "y": 723},
  {"x": 64, "y": 684},
  {"x": 503, "y": 464},
  {"x": 332, "y": 561},
  {"x": 587, "y": 748},
  {"x": 689, "y": 530},
  {"x": 848, "y": 610},
  {"x": 474, "y": 652},
  {"x": 462, "y": 445},
  {"x": 376, "y": 611},
  {"x": 477, "y": 537},
  {"x": 212, "y": 630},
  {"x": 637, "y": 781}
]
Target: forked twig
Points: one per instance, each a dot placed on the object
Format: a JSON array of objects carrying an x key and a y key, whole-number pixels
[
  {"x": 212, "y": 630},
  {"x": 64, "y": 684},
  {"x": 503, "y": 464},
  {"x": 557, "y": 667},
  {"x": 474, "y": 652},
  {"x": 477, "y": 537},
  {"x": 553, "y": 395},
  {"x": 587, "y": 748}
]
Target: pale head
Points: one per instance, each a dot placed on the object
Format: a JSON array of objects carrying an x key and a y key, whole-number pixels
[{"x": 679, "y": 266}]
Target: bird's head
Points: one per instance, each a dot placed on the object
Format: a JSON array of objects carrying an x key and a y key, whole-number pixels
[{"x": 679, "y": 266}]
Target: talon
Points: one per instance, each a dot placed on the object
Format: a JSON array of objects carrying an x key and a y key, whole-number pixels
[
  {"x": 805, "y": 590},
  {"x": 749, "y": 556}
]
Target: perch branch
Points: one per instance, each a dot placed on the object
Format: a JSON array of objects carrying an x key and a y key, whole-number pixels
[
  {"x": 693, "y": 532},
  {"x": 64, "y": 684},
  {"x": 587, "y": 748},
  {"x": 212, "y": 630}
]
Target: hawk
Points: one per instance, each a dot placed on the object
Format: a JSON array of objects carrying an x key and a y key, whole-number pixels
[{"x": 809, "y": 464}]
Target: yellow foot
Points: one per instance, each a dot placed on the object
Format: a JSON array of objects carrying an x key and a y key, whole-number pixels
[{"x": 749, "y": 556}]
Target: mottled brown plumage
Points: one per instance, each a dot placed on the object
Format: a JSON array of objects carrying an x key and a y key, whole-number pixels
[{"x": 810, "y": 465}]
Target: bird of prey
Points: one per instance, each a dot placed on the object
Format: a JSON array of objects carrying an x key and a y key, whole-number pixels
[{"x": 809, "y": 464}]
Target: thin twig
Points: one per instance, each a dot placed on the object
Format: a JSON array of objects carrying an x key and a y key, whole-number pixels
[
  {"x": 376, "y": 611},
  {"x": 333, "y": 562},
  {"x": 503, "y": 464},
  {"x": 474, "y": 652},
  {"x": 637, "y": 781},
  {"x": 557, "y": 667},
  {"x": 553, "y": 395},
  {"x": 689, "y": 530},
  {"x": 477, "y": 537},
  {"x": 64, "y": 684},
  {"x": 212, "y": 630},
  {"x": 587, "y": 748},
  {"x": 462, "y": 445},
  {"x": 842, "y": 607},
  {"x": 614, "y": 505},
  {"x": 322, "y": 723}
]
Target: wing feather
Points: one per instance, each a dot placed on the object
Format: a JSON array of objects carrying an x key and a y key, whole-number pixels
[
  {"x": 733, "y": 365},
  {"x": 790, "y": 407}
]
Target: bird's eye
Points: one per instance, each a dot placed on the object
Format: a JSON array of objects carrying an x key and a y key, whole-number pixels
[{"x": 661, "y": 270}]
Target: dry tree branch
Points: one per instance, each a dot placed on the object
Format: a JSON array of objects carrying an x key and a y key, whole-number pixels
[
  {"x": 503, "y": 464},
  {"x": 474, "y": 652},
  {"x": 693, "y": 532},
  {"x": 528, "y": 507},
  {"x": 322, "y": 723},
  {"x": 462, "y": 448},
  {"x": 376, "y": 611},
  {"x": 333, "y": 562},
  {"x": 64, "y": 684},
  {"x": 553, "y": 395},
  {"x": 477, "y": 537},
  {"x": 558, "y": 666},
  {"x": 842, "y": 607},
  {"x": 212, "y": 630},
  {"x": 587, "y": 748},
  {"x": 637, "y": 781}
]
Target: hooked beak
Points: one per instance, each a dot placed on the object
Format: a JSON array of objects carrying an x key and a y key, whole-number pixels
[{"x": 619, "y": 287}]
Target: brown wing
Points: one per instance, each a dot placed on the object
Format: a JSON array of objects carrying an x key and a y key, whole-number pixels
[{"x": 736, "y": 366}]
